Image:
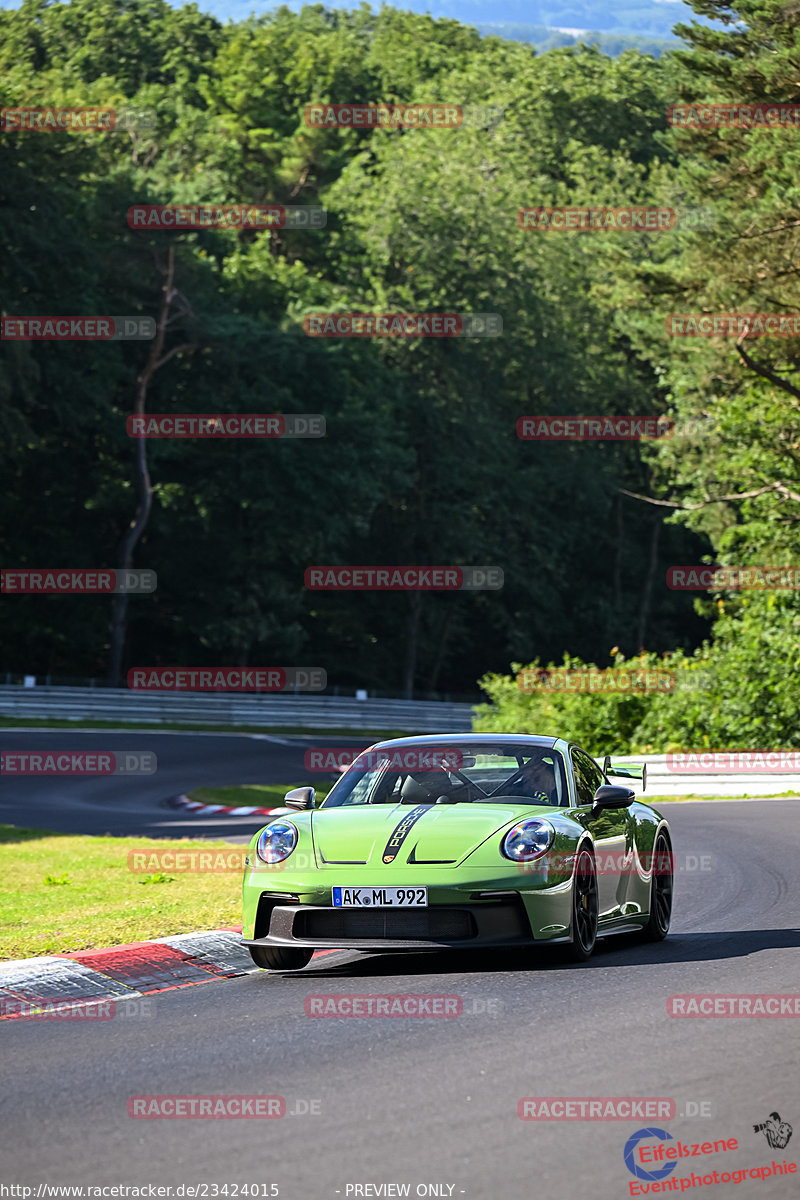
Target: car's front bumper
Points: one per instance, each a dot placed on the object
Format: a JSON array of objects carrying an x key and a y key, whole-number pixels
[{"x": 499, "y": 921}]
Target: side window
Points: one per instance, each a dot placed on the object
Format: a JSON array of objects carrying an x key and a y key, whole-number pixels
[
  {"x": 588, "y": 776},
  {"x": 360, "y": 793}
]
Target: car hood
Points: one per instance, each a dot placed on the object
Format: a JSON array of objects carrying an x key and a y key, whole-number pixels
[{"x": 432, "y": 834}]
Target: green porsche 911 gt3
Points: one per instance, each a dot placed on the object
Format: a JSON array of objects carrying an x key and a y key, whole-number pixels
[{"x": 464, "y": 840}]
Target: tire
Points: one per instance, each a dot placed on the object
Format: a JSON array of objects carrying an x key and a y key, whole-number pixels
[
  {"x": 280, "y": 958},
  {"x": 584, "y": 907},
  {"x": 660, "y": 915}
]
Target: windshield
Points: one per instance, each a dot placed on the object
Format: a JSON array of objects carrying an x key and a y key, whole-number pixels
[{"x": 452, "y": 774}]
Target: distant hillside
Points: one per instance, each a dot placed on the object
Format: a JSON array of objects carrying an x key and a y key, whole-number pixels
[
  {"x": 522, "y": 20},
  {"x": 611, "y": 44},
  {"x": 644, "y": 25},
  {"x": 649, "y": 18}
]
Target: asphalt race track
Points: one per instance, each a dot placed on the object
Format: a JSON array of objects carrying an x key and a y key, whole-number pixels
[
  {"x": 135, "y": 805},
  {"x": 427, "y": 1102}
]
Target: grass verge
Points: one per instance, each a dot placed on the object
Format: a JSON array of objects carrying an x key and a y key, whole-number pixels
[
  {"x": 256, "y": 795},
  {"x": 62, "y": 892}
]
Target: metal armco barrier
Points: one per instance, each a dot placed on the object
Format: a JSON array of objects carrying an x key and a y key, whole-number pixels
[{"x": 301, "y": 712}]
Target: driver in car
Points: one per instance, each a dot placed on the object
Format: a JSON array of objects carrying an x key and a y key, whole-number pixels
[{"x": 535, "y": 781}]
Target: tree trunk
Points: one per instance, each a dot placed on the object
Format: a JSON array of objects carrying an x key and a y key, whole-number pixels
[
  {"x": 647, "y": 592},
  {"x": 441, "y": 647},
  {"x": 144, "y": 489},
  {"x": 618, "y": 560},
  {"x": 412, "y": 641},
  {"x": 613, "y": 620}
]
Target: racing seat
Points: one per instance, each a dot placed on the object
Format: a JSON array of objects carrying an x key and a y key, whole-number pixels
[{"x": 423, "y": 789}]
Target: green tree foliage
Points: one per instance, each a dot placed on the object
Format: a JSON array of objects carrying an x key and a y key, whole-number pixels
[
  {"x": 605, "y": 722},
  {"x": 421, "y": 462},
  {"x": 732, "y": 472},
  {"x": 737, "y": 690}
]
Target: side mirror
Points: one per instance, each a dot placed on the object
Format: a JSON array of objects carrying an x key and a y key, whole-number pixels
[
  {"x": 303, "y": 798},
  {"x": 611, "y": 795}
]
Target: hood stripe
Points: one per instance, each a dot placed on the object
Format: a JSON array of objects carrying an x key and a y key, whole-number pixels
[{"x": 401, "y": 831}]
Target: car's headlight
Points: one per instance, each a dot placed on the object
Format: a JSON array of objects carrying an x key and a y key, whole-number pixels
[
  {"x": 528, "y": 839},
  {"x": 276, "y": 842}
]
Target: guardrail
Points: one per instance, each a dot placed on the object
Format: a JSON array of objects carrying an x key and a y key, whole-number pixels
[
  {"x": 181, "y": 708},
  {"x": 705, "y": 779}
]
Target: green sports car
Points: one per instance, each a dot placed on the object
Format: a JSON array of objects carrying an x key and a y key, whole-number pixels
[{"x": 465, "y": 840}]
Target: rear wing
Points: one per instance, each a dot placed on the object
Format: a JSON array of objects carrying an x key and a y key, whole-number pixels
[{"x": 626, "y": 770}]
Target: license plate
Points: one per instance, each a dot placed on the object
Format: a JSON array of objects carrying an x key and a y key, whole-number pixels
[{"x": 388, "y": 897}]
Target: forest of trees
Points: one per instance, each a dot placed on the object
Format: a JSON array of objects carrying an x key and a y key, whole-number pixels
[{"x": 421, "y": 462}]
